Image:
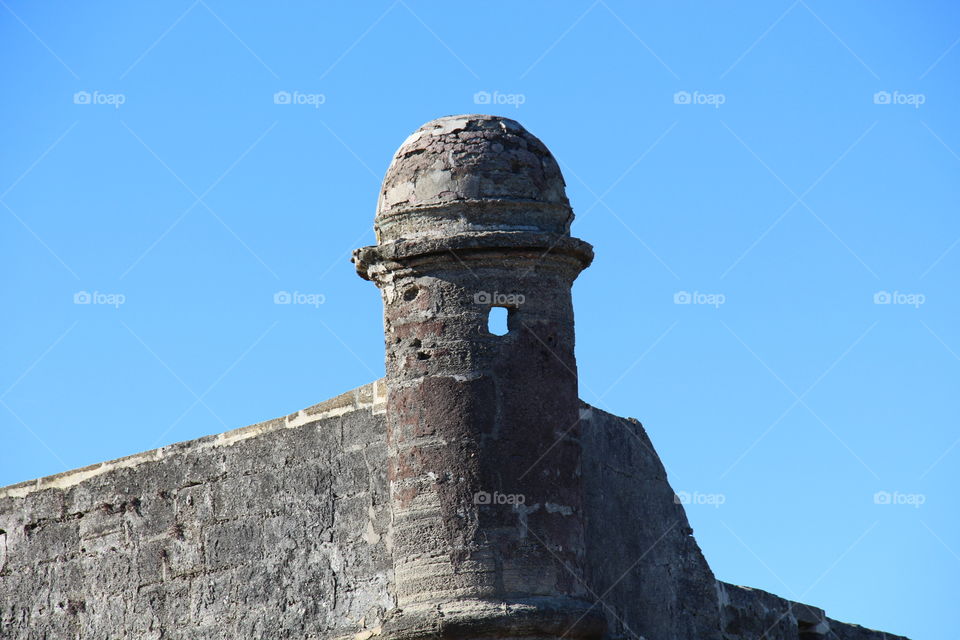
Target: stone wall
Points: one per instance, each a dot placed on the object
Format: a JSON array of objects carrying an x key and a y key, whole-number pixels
[
  {"x": 646, "y": 566},
  {"x": 752, "y": 613},
  {"x": 643, "y": 560},
  {"x": 281, "y": 530},
  {"x": 271, "y": 531}
]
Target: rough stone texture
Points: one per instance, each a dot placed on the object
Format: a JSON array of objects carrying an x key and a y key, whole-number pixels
[
  {"x": 375, "y": 514},
  {"x": 281, "y": 530},
  {"x": 469, "y": 212},
  {"x": 752, "y": 613},
  {"x": 277, "y": 530},
  {"x": 633, "y": 517},
  {"x": 453, "y": 173}
]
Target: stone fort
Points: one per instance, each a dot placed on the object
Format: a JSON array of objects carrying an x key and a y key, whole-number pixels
[{"x": 469, "y": 494}]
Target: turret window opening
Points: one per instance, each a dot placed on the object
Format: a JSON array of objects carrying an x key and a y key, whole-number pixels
[{"x": 497, "y": 321}]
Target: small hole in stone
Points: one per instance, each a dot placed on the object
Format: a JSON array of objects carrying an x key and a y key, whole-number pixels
[
  {"x": 410, "y": 293},
  {"x": 497, "y": 321},
  {"x": 423, "y": 355}
]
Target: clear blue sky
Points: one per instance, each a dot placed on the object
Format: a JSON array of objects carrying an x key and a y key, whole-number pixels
[{"x": 784, "y": 183}]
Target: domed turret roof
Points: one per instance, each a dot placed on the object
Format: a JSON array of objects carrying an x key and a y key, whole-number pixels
[
  {"x": 487, "y": 171},
  {"x": 472, "y": 183}
]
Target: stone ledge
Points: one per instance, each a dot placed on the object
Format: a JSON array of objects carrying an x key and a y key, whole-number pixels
[
  {"x": 371, "y": 396},
  {"x": 747, "y": 611},
  {"x": 535, "y": 617}
]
